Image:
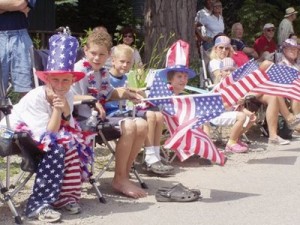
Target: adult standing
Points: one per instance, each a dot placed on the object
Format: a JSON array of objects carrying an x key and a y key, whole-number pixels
[
  {"x": 200, "y": 30},
  {"x": 214, "y": 24},
  {"x": 266, "y": 44},
  {"x": 15, "y": 44},
  {"x": 286, "y": 25}
]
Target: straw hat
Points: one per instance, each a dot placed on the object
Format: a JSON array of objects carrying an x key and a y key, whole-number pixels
[{"x": 290, "y": 11}]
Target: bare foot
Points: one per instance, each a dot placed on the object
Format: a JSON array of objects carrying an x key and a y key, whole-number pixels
[{"x": 128, "y": 188}]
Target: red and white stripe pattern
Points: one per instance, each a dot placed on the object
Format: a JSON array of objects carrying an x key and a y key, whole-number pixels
[
  {"x": 233, "y": 91},
  {"x": 178, "y": 54}
]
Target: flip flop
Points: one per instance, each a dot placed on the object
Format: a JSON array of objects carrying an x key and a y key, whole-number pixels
[
  {"x": 178, "y": 193},
  {"x": 196, "y": 191}
]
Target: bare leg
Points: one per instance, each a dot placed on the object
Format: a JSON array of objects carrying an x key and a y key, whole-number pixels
[
  {"x": 237, "y": 128},
  {"x": 295, "y": 107},
  {"x": 123, "y": 154},
  {"x": 271, "y": 113}
]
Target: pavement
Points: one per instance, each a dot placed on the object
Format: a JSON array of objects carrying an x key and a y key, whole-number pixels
[{"x": 259, "y": 187}]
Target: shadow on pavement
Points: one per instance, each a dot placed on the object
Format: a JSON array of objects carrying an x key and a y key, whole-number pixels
[
  {"x": 282, "y": 160},
  {"x": 222, "y": 196}
]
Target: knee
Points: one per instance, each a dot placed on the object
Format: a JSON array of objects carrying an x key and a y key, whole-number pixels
[
  {"x": 159, "y": 117},
  {"x": 128, "y": 127},
  {"x": 151, "y": 117},
  {"x": 141, "y": 127},
  {"x": 241, "y": 117}
]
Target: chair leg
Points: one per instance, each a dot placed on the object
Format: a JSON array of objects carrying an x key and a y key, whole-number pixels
[
  {"x": 8, "y": 201},
  {"x": 93, "y": 182},
  {"x": 138, "y": 177}
]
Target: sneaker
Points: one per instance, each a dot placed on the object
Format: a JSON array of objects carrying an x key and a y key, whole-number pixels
[
  {"x": 242, "y": 143},
  {"x": 278, "y": 141},
  {"x": 72, "y": 208},
  {"x": 293, "y": 123},
  {"x": 236, "y": 148},
  {"x": 296, "y": 134},
  {"x": 49, "y": 215}
]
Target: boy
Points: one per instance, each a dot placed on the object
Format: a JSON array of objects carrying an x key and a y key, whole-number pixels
[
  {"x": 122, "y": 57},
  {"x": 46, "y": 113},
  {"x": 96, "y": 83}
]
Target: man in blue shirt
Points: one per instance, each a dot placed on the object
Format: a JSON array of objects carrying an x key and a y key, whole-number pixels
[{"x": 15, "y": 44}]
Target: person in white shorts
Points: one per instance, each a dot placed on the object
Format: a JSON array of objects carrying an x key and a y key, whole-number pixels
[{"x": 238, "y": 117}]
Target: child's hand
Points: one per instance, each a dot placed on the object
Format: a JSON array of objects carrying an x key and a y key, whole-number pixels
[
  {"x": 102, "y": 113},
  {"x": 135, "y": 97}
]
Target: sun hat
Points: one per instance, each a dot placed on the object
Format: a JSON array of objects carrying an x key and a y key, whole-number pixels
[
  {"x": 290, "y": 11},
  {"x": 222, "y": 40},
  {"x": 268, "y": 26},
  {"x": 227, "y": 63},
  {"x": 290, "y": 43},
  {"x": 62, "y": 56},
  {"x": 178, "y": 59}
]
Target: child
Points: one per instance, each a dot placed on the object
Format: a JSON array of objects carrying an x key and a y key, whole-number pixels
[
  {"x": 46, "y": 113},
  {"x": 177, "y": 77},
  {"x": 121, "y": 64},
  {"x": 96, "y": 83},
  {"x": 239, "y": 120}
]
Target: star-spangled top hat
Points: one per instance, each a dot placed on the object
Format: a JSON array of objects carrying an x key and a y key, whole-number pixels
[
  {"x": 62, "y": 56},
  {"x": 178, "y": 59}
]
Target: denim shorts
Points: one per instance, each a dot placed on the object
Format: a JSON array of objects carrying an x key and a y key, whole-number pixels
[{"x": 15, "y": 58}]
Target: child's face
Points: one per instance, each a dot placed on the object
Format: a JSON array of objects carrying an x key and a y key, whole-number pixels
[
  {"x": 96, "y": 55},
  {"x": 60, "y": 84},
  {"x": 179, "y": 81},
  {"x": 121, "y": 64},
  {"x": 226, "y": 72}
]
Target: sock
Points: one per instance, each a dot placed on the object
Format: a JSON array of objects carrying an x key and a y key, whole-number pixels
[
  {"x": 150, "y": 157},
  {"x": 231, "y": 142},
  {"x": 157, "y": 152}
]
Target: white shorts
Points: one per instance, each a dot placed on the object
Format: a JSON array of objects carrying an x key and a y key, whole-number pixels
[{"x": 227, "y": 119}]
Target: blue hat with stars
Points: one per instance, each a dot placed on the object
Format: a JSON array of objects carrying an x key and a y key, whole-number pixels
[{"x": 62, "y": 56}]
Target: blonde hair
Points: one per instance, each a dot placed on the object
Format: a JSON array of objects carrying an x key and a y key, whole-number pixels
[
  {"x": 122, "y": 49},
  {"x": 99, "y": 38}
]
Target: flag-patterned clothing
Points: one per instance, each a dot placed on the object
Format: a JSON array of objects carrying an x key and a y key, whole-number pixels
[{"x": 62, "y": 169}]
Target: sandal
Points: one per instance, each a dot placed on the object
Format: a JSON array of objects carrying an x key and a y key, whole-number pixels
[
  {"x": 178, "y": 193},
  {"x": 72, "y": 208},
  {"x": 196, "y": 191},
  {"x": 160, "y": 168}
]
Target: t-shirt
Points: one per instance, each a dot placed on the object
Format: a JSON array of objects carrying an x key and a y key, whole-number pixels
[
  {"x": 116, "y": 82},
  {"x": 213, "y": 25},
  {"x": 95, "y": 83},
  {"x": 262, "y": 44},
  {"x": 35, "y": 111},
  {"x": 237, "y": 44},
  {"x": 13, "y": 21}
]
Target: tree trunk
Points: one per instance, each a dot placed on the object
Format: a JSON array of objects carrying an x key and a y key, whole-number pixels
[{"x": 167, "y": 21}]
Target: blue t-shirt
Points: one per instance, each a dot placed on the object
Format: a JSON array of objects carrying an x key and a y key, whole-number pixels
[
  {"x": 13, "y": 21},
  {"x": 113, "y": 106}
]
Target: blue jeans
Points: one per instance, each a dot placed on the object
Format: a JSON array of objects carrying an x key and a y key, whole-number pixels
[{"x": 15, "y": 59}]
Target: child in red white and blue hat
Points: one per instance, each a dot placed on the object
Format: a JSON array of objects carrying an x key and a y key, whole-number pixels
[{"x": 46, "y": 114}]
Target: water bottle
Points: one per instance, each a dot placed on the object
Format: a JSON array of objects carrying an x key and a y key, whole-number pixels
[{"x": 92, "y": 121}]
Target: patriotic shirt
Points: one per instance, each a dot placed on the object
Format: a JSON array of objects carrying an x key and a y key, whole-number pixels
[{"x": 95, "y": 83}]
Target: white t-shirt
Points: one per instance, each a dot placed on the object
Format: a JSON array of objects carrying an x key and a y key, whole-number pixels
[
  {"x": 35, "y": 111},
  {"x": 214, "y": 64},
  {"x": 213, "y": 25}
]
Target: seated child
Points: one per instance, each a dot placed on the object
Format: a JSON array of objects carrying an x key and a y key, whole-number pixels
[
  {"x": 96, "y": 84},
  {"x": 46, "y": 114},
  {"x": 240, "y": 120},
  {"x": 177, "y": 77},
  {"x": 122, "y": 57}
]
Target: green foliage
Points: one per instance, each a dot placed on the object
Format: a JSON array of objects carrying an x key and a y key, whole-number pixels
[
  {"x": 83, "y": 39},
  {"x": 36, "y": 40}
]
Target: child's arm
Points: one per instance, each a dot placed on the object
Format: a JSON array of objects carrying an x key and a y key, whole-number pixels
[{"x": 124, "y": 93}]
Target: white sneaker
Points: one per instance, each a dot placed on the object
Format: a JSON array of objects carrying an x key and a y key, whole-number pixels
[{"x": 278, "y": 141}]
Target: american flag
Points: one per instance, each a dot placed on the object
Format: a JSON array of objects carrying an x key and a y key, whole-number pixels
[
  {"x": 183, "y": 116},
  {"x": 283, "y": 81},
  {"x": 185, "y": 107},
  {"x": 240, "y": 82}
]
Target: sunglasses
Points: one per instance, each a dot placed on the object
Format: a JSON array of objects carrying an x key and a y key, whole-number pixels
[
  {"x": 222, "y": 47},
  {"x": 270, "y": 30},
  {"x": 128, "y": 36}
]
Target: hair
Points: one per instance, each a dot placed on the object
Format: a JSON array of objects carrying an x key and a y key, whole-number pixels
[
  {"x": 100, "y": 29},
  {"x": 170, "y": 75},
  {"x": 234, "y": 26},
  {"x": 122, "y": 49},
  {"x": 100, "y": 38},
  {"x": 128, "y": 30}
]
